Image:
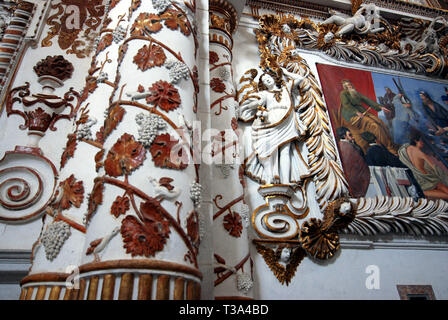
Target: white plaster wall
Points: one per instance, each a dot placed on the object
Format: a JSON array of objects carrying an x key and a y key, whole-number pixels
[{"x": 345, "y": 276}]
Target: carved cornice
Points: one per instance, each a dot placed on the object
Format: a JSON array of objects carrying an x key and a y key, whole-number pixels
[
  {"x": 399, "y": 47},
  {"x": 406, "y": 7},
  {"x": 318, "y": 11},
  {"x": 302, "y": 8}
]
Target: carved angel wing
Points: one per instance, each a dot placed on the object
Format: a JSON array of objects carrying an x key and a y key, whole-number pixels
[
  {"x": 247, "y": 92},
  {"x": 322, "y": 156},
  {"x": 271, "y": 257}
]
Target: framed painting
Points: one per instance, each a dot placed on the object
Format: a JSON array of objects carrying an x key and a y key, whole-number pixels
[{"x": 391, "y": 132}]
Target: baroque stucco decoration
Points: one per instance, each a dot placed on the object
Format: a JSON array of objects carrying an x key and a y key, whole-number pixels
[
  {"x": 28, "y": 177},
  {"x": 262, "y": 96},
  {"x": 409, "y": 45},
  {"x": 291, "y": 155}
]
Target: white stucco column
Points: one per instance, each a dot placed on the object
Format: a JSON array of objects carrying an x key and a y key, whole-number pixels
[
  {"x": 233, "y": 267},
  {"x": 142, "y": 222},
  {"x": 139, "y": 225}
]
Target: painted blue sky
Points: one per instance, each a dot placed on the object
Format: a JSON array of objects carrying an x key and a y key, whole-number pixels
[{"x": 411, "y": 87}]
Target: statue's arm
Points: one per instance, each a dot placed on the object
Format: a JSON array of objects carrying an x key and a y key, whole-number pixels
[
  {"x": 294, "y": 76},
  {"x": 248, "y": 108}
]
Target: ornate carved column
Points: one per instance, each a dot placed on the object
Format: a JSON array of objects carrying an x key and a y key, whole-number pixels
[
  {"x": 58, "y": 250},
  {"x": 233, "y": 267},
  {"x": 13, "y": 28},
  {"x": 140, "y": 216},
  {"x": 142, "y": 221}
]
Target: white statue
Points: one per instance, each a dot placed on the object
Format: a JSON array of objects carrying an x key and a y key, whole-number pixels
[
  {"x": 362, "y": 22},
  {"x": 277, "y": 131}
]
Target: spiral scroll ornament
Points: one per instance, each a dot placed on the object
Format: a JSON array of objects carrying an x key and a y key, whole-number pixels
[
  {"x": 15, "y": 193},
  {"x": 27, "y": 184}
]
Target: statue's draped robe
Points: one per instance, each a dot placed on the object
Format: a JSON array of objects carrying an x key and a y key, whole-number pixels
[{"x": 282, "y": 127}]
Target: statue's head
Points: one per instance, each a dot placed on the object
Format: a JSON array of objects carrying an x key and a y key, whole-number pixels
[
  {"x": 370, "y": 10},
  {"x": 266, "y": 82}
]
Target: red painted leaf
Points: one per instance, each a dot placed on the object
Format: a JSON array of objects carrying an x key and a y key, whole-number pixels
[
  {"x": 72, "y": 193},
  {"x": 164, "y": 95},
  {"x": 232, "y": 224},
  {"x": 168, "y": 153},
  {"x": 149, "y": 56},
  {"x": 125, "y": 156},
  {"x": 217, "y": 85}
]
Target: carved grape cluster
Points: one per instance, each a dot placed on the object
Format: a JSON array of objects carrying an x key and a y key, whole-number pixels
[
  {"x": 149, "y": 124},
  {"x": 244, "y": 282},
  {"x": 160, "y": 5},
  {"x": 178, "y": 71},
  {"x": 54, "y": 237},
  {"x": 196, "y": 194},
  {"x": 119, "y": 34}
]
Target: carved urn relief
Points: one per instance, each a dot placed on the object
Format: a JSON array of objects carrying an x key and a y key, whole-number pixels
[
  {"x": 42, "y": 110},
  {"x": 27, "y": 178}
]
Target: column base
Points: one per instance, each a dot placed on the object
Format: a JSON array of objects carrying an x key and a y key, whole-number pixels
[{"x": 117, "y": 280}]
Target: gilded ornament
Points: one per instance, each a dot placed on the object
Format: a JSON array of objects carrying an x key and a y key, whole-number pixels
[{"x": 283, "y": 260}]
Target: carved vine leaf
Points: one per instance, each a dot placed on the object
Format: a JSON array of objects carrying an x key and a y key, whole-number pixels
[
  {"x": 135, "y": 4},
  {"x": 104, "y": 42},
  {"x": 168, "y": 153},
  {"x": 217, "y": 85},
  {"x": 232, "y": 224},
  {"x": 195, "y": 78},
  {"x": 175, "y": 19},
  {"x": 193, "y": 228},
  {"x": 72, "y": 193},
  {"x": 149, "y": 56},
  {"x": 213, "y": 57},
  {"x": 219, "y": 270},
  {"x": 147, "y": 237},
  {"x": 69, "y": 150},
  {"x": 164, "y": 95},
  {"x": 120, "y": 206},
  {"x": 166, "y": 182},
  {"x": 113, "y": 118},
  {"x": 100, "y": 135},
  {"x": 83, "y": 118},
  {"x": 125, "y": 156},
  {"x": 95, "y": 198},
  {"x": 98, "y": 157},
  {"x": 93, "y": 244},
  {"x": 90, "y": 87},
  {"x": 146, "y": 21}
]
